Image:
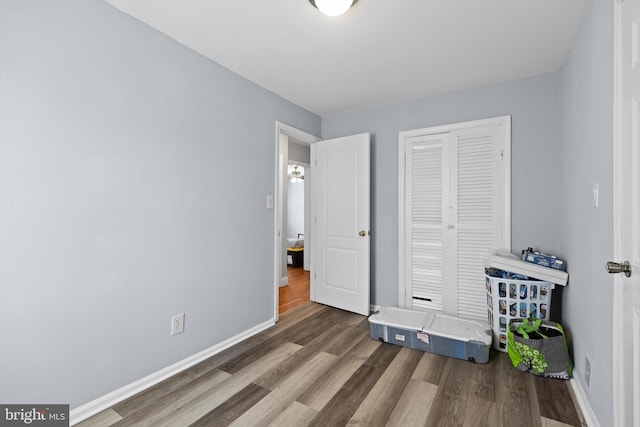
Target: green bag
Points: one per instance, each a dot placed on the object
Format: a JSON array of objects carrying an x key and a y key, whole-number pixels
[{"x": 539, "y": 347}]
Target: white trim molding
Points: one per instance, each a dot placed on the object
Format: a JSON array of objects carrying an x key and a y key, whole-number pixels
[
  {"x": 618, "y": 333},
  {"x": 89, "y": 409},
  {"x": 582, "y": 401},
  {"x": 305, "y": 138}
]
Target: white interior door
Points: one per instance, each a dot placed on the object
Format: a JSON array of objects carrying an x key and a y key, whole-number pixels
[
  {"x": 627, "y": 217},
  {"x": 341, "y": 187}
]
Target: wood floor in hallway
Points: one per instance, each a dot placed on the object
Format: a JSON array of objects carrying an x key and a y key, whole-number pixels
[
  {"x": 319, "y": 367},
  {"x": 296, "y": 292}
]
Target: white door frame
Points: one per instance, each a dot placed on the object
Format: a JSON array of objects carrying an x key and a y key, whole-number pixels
[
  {"x": 618, "y": 333},
  {"x": 300, "y": 137},
  {"x": 618, "y": 316}
]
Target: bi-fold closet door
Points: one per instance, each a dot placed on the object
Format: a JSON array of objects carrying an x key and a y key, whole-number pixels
[{"x": 456, "y": 209}]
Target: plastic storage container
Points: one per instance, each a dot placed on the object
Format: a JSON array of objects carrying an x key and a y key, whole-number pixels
[
  {"x": 532, "y": 296},
  {"x": 433, "y": 332},
  {"x": 509, "y": 299}
]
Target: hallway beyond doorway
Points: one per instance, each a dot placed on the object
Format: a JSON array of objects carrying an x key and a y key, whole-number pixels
[{"x": 296, "y": 292}]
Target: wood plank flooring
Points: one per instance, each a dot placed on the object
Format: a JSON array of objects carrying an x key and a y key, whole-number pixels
[
  {"x": 319, "y": 367},
  {"x": 296, "y": 292}
]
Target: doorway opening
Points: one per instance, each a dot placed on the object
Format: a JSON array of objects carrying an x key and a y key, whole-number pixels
[
  {"x": 297, "y": 290},
  {"x": 293, "y": 234}
]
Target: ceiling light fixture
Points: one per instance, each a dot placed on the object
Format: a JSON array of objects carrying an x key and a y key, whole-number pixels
[
  {"x": 333, "y": 7},
  {"x": 296, "y": 175}
]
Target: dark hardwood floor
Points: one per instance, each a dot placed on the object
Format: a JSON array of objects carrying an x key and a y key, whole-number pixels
[
  {"x": 319, "y": 367},
  {"x": 296, "y": 292}
]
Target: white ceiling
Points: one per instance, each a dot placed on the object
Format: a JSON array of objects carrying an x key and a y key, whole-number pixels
[{"x": 380, "y": 52}]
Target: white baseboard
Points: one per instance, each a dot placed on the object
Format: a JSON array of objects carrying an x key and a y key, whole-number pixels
[
  {"x": 583, "y": 402},
  {"x": 374, "y": 308},
  {"x": 91, "y": 408},
  {"x": 284, "y": 281}
]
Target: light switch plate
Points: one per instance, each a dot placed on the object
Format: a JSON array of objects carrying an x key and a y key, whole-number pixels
[{"x": 177, "y": 323}]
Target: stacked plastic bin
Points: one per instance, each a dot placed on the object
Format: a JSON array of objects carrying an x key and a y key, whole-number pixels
[{"x": 517, "y": 290}]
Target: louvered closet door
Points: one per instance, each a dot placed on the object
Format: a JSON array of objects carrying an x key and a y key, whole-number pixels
[
  {"x": 477, "y": 213},
  {"x": 427, "y": 194},
  {"x": 456, "y": 211}
]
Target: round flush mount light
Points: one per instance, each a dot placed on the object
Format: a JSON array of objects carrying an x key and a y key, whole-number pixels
[{"x": 333, "y": 7}]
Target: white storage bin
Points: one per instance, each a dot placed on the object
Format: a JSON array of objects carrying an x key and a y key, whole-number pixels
[
  {"x": 509, "y": 299},
  {"x": 434, "y": 332}
]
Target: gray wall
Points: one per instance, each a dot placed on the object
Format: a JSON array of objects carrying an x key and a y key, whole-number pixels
[
  {"x": 533, "y": 105},
  {"x": 587, "y": 242},
  {"x": 119, "y": 200}
]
